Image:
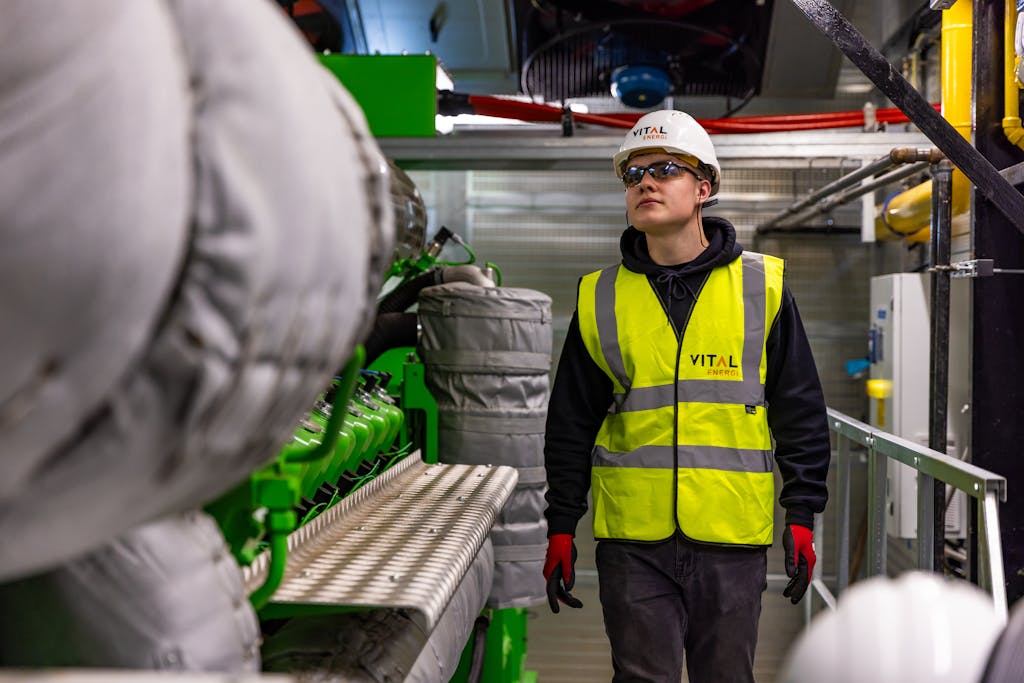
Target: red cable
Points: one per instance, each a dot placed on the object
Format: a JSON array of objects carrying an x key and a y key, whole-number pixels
[{"x": 531, "y": 111}]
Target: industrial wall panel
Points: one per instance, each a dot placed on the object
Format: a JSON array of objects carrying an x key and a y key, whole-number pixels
[
  {"x": 545, "y": 229},
  {"x": 828, "y": 276}
]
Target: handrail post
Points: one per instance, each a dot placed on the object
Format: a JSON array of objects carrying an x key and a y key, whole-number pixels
[
  {"x": 843, "y": 514},
  {"x": 934, "y": 469},
  {"x": 926, "y": 523},
  {"x": 877, "y": 476},
  {"x": 990, "y": 551}
]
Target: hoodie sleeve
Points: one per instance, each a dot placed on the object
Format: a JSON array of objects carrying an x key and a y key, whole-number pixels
[
  {"x": 579, "y": 401},
  {"x": 797, "y": 416}
]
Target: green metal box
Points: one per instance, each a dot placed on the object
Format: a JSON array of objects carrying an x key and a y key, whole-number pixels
[{"x": 396, "y": 92}]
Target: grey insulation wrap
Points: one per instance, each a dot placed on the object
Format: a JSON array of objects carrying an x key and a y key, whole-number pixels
[
  {"x": 166, "y": 595},
  {"x": 487, "y": 356},
  {"x": 193, "y": 240},
  {"x": 383, "y": 645}
]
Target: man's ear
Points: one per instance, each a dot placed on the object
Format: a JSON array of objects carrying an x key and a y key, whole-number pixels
[{"x": 703, "y": 191}]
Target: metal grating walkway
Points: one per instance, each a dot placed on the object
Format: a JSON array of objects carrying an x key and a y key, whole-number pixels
[{"x": 403, "y": 541}]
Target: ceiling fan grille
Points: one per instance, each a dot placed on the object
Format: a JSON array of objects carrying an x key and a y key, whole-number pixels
[{"x": 579, "y": 63}]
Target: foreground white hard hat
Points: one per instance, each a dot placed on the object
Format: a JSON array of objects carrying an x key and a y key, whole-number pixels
[
  {"x": 673, "y": 131},
  {"x": 919, "y": 628}
]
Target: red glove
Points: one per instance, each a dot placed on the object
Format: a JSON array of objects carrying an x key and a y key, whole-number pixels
[
  {"x": 798, "y": 542},
  {"x": 560, "y": 571}
]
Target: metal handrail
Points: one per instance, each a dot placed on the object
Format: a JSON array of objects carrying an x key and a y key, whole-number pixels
[{"x": 986, "y": 488}]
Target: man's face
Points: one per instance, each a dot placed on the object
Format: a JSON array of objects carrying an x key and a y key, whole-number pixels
[{"x": 662, "y": 206}]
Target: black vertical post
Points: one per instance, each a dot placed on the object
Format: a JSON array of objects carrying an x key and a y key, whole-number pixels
[
  {"x": 884, "y": 75},
  {"x": 938, "y": 396},
  {"x": 997, "y": 422}
]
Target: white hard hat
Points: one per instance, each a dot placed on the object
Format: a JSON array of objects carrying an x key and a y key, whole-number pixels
[
  {"x": 674, "y": 132},
  {"x": 915, "y": 629}
]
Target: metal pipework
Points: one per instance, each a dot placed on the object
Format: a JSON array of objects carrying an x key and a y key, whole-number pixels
[
  {"x": 853, "y": 193},
  {"x": 909, "y": 155},
  {"x": 908, "y": 215},
  {"x": 815, "y": 204},
  {"x": 841, "y": 183},
  {"x": 870, "y": 61}
]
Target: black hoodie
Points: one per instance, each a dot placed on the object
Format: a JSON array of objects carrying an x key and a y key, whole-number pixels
[{"x": 582, "y": 392}]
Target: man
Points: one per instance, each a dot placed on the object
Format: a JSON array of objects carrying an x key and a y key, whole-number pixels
[{"x": 680, "y": 366}]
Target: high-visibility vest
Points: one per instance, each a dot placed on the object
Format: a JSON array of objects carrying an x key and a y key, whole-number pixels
[{"x": 686, "y": 442}]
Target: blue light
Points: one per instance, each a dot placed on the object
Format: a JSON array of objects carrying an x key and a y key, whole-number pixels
[{"x": 640, "y": 86}]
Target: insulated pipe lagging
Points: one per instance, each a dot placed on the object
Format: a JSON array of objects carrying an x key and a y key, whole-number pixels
[
  {"x": 393, "y": 327},
  {"x": 405, "y": 295}
]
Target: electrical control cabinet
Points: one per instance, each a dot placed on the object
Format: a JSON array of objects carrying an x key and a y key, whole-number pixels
[{"x": 899, "y": 351}]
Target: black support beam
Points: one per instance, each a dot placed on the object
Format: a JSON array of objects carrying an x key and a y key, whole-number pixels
[
  {"x": 876, "y": 67},
  {"x": 997, "y": 422}
]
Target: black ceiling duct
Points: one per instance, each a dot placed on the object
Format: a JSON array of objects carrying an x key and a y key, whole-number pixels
[{"x": 648, "y": 50}]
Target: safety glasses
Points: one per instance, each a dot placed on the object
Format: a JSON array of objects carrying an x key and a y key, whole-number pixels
[{"x": 659, "y": 170}]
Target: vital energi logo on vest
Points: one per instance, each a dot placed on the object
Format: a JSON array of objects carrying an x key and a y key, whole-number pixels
[{"x": 717, "y": 364}]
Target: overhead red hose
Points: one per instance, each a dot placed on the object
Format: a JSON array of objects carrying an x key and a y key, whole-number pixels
[
  {"x": 774, "y": 123},
  {"x": 530, "y": 111}
]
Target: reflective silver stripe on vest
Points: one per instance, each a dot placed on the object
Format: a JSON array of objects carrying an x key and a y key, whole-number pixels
[
  {"x": 607, "y": 326},
  {"x": 702, "y": 390},
  {"x": 754, "y": 292},
  {"x": 749, "y": 391},
  {"x": 690, "y": 457}
]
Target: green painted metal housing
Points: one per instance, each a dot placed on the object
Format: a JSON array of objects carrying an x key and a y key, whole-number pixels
[{"x": 398, "y": 93}]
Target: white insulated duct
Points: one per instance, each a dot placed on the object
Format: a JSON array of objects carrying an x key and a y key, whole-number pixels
[{"x": 194, "y": 221}]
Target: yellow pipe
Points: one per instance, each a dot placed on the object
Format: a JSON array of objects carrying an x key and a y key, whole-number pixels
[
  {"x": 909, "y": 213},
  {"x": 1011, "y": 86},
  {"x": 905, "y": 213},
  {"x": 957, "y": 37}
]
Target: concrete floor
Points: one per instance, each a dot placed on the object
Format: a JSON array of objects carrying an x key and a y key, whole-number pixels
[{"x": 571, "y": 646}]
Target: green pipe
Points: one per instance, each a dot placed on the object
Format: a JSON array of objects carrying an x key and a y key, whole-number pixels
[
  {"x": 470, "y": 255},
  {"x": 280, "y": 524},
  {"x": 343, "y": 394}
]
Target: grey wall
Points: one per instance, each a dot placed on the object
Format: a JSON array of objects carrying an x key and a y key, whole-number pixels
[{"x": 545, "y": 229}]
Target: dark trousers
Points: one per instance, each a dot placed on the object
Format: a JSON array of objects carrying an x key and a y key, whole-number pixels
[{"x": 661, "y": 599}]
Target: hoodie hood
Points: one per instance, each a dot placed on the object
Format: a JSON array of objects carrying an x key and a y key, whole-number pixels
[{"x": 722, "y": 248}]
